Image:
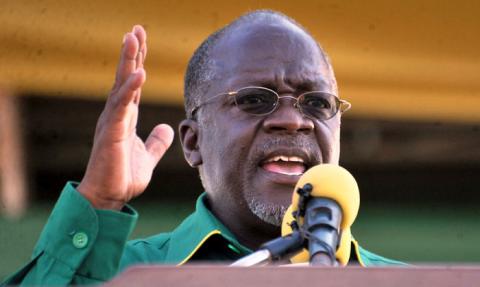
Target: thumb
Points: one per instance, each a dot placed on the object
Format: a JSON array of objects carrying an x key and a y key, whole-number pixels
[{"x": 159, "y": 141}]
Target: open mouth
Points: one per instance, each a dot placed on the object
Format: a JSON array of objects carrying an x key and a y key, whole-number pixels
[
  {"x": 280, "y": 169},
  {"x": 286, "y": 165}
]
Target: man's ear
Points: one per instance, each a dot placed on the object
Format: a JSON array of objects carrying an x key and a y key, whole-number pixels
[{"x": 189, "y": 137}]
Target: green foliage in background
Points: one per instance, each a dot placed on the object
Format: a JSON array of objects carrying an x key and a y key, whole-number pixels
[
  {"x": 421, "y": 234},
  {"x": 441, "y": 234}
]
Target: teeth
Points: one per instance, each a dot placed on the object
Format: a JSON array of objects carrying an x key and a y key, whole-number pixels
[
  {"x": 295, "y": 158},
  {"x": 285, "y": 159}
]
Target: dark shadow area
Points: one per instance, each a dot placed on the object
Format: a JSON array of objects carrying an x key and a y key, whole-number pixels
[{"x": 393, "y": 162}]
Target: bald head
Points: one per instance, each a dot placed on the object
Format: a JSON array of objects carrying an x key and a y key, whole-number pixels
[{"x": 203, "y": 66}]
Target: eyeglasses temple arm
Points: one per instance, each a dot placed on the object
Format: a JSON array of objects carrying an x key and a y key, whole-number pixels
[{"x": 344, "y": 106}]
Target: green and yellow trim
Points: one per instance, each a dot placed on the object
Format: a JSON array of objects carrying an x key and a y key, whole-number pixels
[
  {"x": 357, "y": 252},
  {"x": 205, "y": 238}
]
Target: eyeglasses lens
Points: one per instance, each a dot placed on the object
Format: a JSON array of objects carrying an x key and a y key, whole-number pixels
[
  {"x": 257, "y": 101},
  {"x": 318, "y": 105}
]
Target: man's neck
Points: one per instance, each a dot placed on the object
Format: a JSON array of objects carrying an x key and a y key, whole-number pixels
[{"x": 251, "y": 232}]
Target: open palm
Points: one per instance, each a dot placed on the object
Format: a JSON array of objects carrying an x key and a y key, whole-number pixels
[{"x": 121, "y": 164}]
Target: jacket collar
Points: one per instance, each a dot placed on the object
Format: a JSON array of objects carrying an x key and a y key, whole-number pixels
[
  {"x": 195, "y": 230},
  {"x": 200, "y": 226}
]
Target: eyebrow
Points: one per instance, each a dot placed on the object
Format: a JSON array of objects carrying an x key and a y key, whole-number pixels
[
  {"x": 304, "y": 84},
  {"x": 297, "y": 83}
]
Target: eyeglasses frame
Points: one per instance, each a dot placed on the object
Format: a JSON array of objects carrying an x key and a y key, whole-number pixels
[{"x": 342, "y": 105}]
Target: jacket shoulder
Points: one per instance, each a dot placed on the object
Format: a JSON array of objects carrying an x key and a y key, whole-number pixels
[
  {"x": 150, "y": 250},
  {"x": 371, "y": 259}
]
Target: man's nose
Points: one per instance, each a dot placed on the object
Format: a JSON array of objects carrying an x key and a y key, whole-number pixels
[{"x": 288, "y": 118}]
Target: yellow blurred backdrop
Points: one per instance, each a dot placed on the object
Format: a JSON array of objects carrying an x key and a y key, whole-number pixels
[{"x": 415, "y": 60}]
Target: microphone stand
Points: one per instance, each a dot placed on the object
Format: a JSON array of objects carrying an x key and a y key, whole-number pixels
[
  {"x": 322, "y": 225},
  {"x": 320, "y": 232},
  {"x": 274, "y": 250}
]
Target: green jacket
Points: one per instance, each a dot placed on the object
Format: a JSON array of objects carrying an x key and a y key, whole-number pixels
[{"x": 82, "y": 245}]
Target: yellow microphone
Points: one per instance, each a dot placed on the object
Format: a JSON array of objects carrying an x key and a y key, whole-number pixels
[
  {"x": 329, "y": 185},
  {"x": 324, "y": 205}
]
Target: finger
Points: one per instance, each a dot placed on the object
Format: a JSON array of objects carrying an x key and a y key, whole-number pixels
[
  {"x": 136, "y": 98},
  {"x": 139, "y": 60},
  {"x": 127, "y": 63},
  {"x": 129, "y": 89},
  {"x": 159, "y": 141},
  {"x": 141, "y": 35},
  {"x": 144, "y": 52}
]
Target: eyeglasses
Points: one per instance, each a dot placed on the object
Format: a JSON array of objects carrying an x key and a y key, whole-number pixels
[{"x": 262, "y": 101}]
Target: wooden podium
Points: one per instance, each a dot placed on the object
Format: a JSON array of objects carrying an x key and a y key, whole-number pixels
[{"x": 191, "y": 276}]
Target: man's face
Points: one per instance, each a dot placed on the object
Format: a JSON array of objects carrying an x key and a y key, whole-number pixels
[{"x": 251, "y": 163}]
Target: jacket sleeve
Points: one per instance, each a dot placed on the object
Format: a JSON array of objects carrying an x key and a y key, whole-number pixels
[{"x": 78, "y": 245}]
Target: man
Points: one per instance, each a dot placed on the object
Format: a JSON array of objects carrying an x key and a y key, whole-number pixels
[{"x": 262, "y": 107}]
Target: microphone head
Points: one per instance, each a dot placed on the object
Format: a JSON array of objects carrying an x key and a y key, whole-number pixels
[{"x": 332, "y": 182}]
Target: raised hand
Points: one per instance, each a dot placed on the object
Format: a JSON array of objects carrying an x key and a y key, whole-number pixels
[{"x": 121, "y": 164}]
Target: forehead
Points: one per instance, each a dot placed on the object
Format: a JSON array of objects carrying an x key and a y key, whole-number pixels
[{"x": 270, "y": 54}]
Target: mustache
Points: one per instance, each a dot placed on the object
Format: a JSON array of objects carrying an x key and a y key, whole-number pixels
[{"x": 304, "y": 143}]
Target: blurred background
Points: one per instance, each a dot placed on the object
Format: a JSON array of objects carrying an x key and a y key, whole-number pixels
[{"x": 412, "y": 140}]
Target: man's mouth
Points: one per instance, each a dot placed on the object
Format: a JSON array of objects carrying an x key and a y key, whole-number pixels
[{"x": 285, "y": 165}]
